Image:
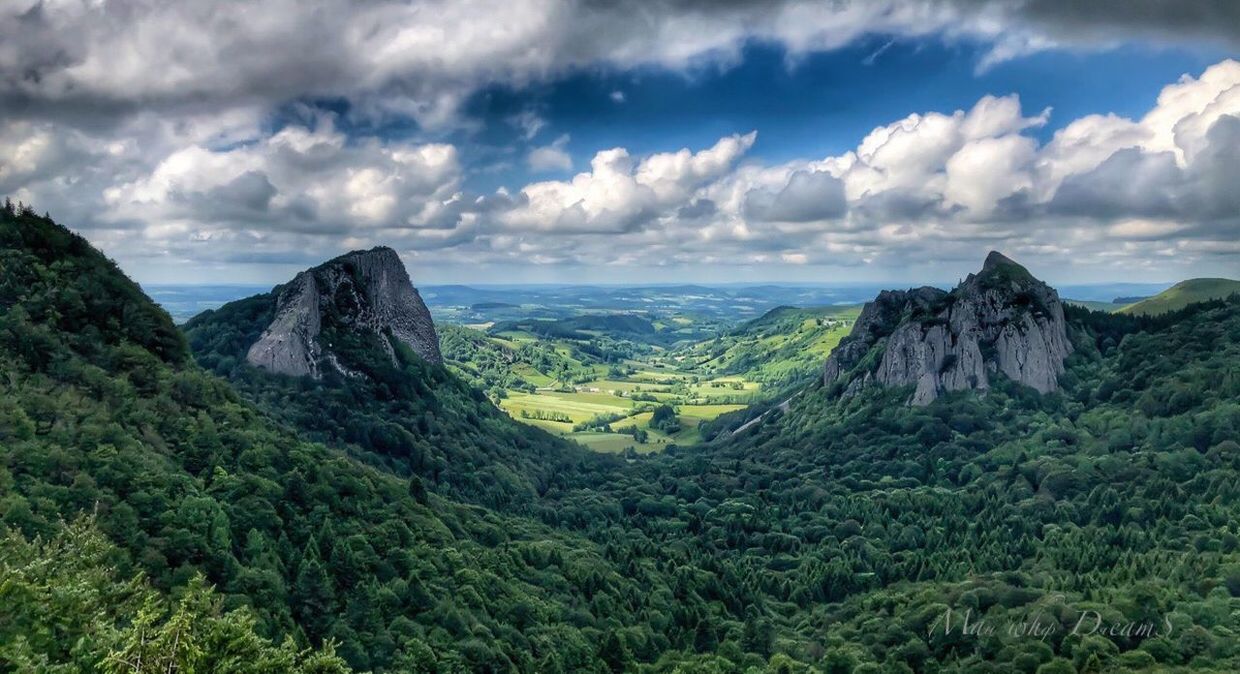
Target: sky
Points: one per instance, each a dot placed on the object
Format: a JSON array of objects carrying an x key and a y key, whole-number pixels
[{"x": 660, "y": 141}]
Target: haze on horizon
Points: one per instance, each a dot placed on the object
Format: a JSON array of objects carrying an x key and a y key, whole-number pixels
[{"x": 890, "y": 142}]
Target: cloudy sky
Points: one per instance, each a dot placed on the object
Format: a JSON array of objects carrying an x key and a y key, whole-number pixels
[{"x": 621, "y": 141}]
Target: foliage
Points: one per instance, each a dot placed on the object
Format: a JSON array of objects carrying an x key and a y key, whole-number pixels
[
  {"x": 188, "y": 479},
  {"x": 65, "y": 608},
  {"x": 665, "y": 419}
]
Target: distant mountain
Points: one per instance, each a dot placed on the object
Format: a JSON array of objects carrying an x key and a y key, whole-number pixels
[
  {"x": 728, "y": 304},
  {"x": 1094, "y": 305},
  {"x": 482, "y": 306},
  {"x": 1001, "y": 319},
  {"x": 184, "y": 301},
  {"x": 1182, "y": 294}
]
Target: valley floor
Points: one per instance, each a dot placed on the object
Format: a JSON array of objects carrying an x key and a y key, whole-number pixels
[{"x": 609, "y": 404}]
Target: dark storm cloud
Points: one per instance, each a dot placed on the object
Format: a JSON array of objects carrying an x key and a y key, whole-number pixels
[
  {"x": 251, "y": 191},
  {"x": 897, "y": 205},
  {"x": 247, "y": 201},
  {"x": 1215, "y": 173}
]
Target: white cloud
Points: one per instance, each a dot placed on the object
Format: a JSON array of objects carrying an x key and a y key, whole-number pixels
[
  {"x": 983, "y": 172},
  {"x": 551, "y": 157},
  {"x": 619, "y": 194},
  {"x": 1105, "y": 190},
  {"x": 301, "y": 179},
  {"x": 529, "y": 123}
]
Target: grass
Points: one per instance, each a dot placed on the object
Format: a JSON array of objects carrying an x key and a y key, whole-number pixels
[
  {"x": 1183, "y": 294},
  {"x": 707, "y": 412},
  {"x": 782, "y": 346},
  {"x": 580, "y": 406}
]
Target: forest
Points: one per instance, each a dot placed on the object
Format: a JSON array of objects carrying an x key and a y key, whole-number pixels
[{"x": 155, "y": 491}]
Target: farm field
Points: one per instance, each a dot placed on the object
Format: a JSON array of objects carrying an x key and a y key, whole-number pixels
[
  {"x": 564, "y": 412},
  {"x": 628, "y": 382}
]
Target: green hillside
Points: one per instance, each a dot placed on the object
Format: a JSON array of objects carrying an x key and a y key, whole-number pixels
[
  {"x": 1182, "y": 294},
  {"x": 786, "y": 345}
]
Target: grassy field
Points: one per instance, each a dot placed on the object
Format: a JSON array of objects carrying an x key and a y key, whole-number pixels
[{"x": 558, "y": 411}]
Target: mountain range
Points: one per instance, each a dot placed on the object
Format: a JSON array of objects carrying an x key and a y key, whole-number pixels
[{"x": 295, "y": 482}]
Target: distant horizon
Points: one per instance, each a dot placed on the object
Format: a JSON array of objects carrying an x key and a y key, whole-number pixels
[
  {"x": 185, "y": 300},
  {"x": 738, "y": 284},
  {"x": 276, "y": 273}
]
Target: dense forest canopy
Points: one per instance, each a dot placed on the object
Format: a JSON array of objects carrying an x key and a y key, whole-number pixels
[{"x": 401, "y": 524}]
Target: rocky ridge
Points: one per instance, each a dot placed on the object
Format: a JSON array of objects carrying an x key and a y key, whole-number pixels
[
  {"x": 1000, "y": 320},
  {"x": 362, "y": 290}
]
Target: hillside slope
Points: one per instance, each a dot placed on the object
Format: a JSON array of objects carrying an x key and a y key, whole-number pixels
[
  {"x": 1182, "y": 294},
  {"x": 782, "y": 347}
]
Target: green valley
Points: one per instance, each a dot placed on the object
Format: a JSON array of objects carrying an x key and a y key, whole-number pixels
[{"x": 600, "y": 379}]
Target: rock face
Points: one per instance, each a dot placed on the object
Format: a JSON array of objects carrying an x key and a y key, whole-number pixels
[
  {"x": 1001, "y": 319},
  {"x": 363, "y": 290}
]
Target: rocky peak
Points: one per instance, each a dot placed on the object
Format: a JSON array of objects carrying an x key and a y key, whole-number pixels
[
  {"x": 996, "y": 261},
  {"x": 1000, "y": 320},
  {"x": 363, "y": 290}
]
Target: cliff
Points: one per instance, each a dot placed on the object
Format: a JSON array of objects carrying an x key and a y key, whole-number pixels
[
  {"x": 1000, "y": 320},
  {"x": 363, "y": 290}
]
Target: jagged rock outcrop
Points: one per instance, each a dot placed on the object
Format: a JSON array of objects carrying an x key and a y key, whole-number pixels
[
  {"x": 363, "y": 290},
  {"x": 999, "y": 320}
]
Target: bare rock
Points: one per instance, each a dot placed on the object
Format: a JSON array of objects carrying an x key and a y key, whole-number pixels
[
  {"x": 363, "y": 290},
  {"x": 999, "y": 320},
  {"x": 290, "y": 344}
]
